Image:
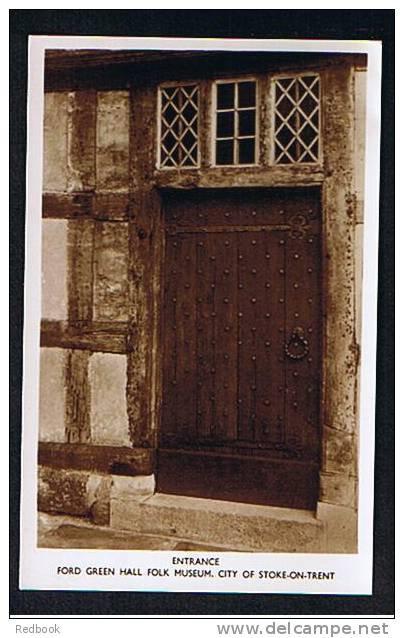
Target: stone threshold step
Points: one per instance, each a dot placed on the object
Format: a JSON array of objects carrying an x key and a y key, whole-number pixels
[
  {"x": 70, "y": 532},
  {"x": 242, "y": 526}
]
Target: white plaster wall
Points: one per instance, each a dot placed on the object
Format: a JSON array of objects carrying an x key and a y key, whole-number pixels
[
  {"x": 109, "y": 419},
  {"x": 52, "y": 395},
  {"x": 55, "y": 142},
  {"x": 54, "y": 269}
]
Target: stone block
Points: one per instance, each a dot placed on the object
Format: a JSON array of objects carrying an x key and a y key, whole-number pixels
[
  {"x": 339, "y": 452},
  {"x": 111, "y": 259},
  {"x": 55, "y": 142},
  {"x": 75, "y": 493},
  {"x": 112, "y": 157},
  {"x": 62, "y": 491},
  {"x": 124, "y": 487},
  {"x": 109, "y": 419},
  {"x": 52, "y": 395},
  {"x": 338, "y": 489},
  {"x": 235, "y": 525},
  {"x": 54, "y": 269},
  {"x": 98, "y": 498},
  {"x": 341, "y": 528},
  {"x": 340, "y": 352}
]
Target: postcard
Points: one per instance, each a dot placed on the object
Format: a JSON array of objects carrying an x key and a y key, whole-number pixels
[{"x": 200, "y": 315}]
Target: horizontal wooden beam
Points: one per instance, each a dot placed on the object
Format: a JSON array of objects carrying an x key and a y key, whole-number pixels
[
  {"x": 119, "y": 206},
  {"x": 102, "y": 206},
  {"x": 103, "y": 336},
  {"x": 105, "y": 459},
  {"x": 233, "y": 177}
]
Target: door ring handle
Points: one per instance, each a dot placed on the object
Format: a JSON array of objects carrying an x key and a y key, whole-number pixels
[{"x": 297, "y": 348}]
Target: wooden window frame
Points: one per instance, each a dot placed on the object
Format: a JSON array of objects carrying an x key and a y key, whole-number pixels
[
  {"x": 214, "y": 111},
  {"x": 264, "y": 133},
  {"x": 160, "y": 88},
  {"x": 272, "y": 142}
]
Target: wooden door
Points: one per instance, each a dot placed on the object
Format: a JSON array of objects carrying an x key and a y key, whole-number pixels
[{"x": 242, "y": 346}]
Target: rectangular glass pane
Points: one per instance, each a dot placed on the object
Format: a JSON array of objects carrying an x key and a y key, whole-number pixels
[
  {"x": 246, "y": 151},
  {"x": 246, "y": 122},
  {"x": 246, "y": 94},
  {"x": 225, "y": 124},
  {"x": 224, "y": 152},
  {"x": 225, "y": 95}
]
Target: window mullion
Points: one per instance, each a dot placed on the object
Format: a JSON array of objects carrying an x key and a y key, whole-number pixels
[{"x": 236, "y": 127}]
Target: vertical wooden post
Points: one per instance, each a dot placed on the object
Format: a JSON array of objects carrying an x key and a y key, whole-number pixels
[
  {"x": 81, "y": 128},
  {"x": 145, "y": 255}
]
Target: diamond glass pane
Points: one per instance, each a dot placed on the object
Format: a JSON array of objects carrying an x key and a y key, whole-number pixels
[
  {"x": 297, "y": 119},
  {"x": 179, "y": 136}
]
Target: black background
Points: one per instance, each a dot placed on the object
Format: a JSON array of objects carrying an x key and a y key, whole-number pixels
[{"x": 319, "y": 24}]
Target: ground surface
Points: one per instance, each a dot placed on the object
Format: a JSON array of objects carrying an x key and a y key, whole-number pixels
[{"x": 68, "y": 532}]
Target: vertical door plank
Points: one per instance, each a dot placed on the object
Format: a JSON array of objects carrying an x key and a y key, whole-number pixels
[
  {"x": 225, "y": 310},
  {"x": 247, "y": 366},
  {"x": 170, "y": 380},
  {"x": 202, "y": 343},
  {"x": 270, "y": 310},
  {"x": 185, "y": 322},
  {"x": 205, "y": 300},
  {"x": 303, "y": 375}
]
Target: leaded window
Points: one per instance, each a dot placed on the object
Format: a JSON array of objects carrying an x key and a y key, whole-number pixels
[
  {"x": 235, "y": 109},
  {"x": 179, "y": 126},
  {"x": 296, "y": 119}
]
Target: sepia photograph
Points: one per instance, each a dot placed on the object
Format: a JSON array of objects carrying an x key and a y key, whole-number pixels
[
  {"x": 201, "y": 305},
  {"x": 200, "y": 335}
]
